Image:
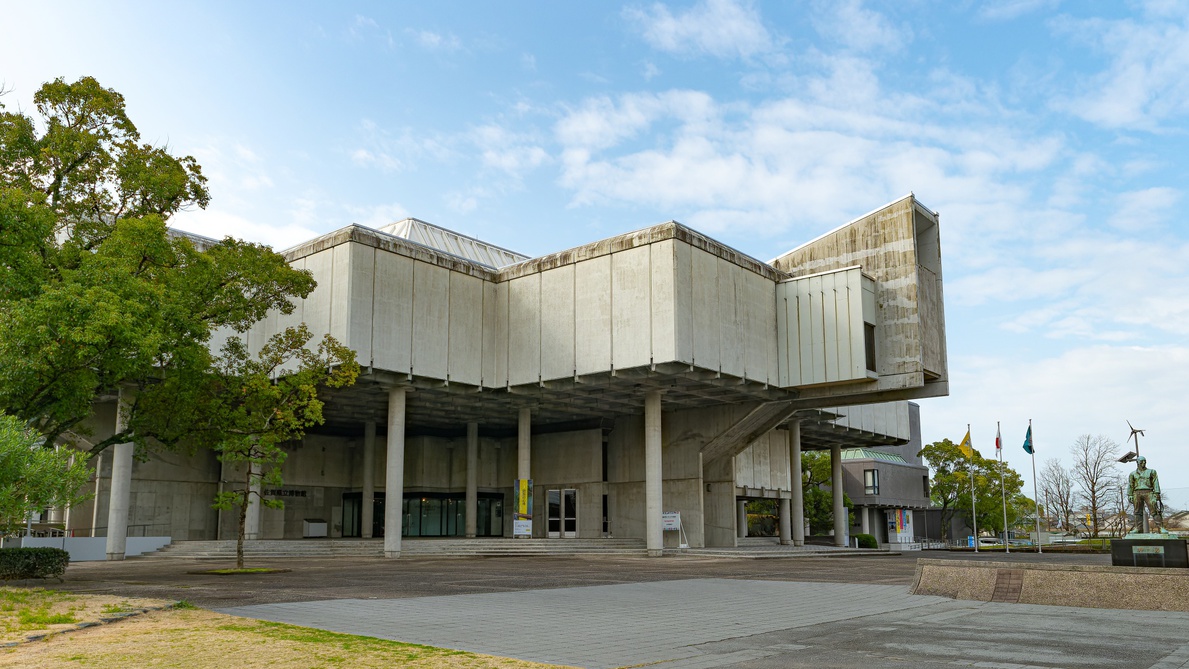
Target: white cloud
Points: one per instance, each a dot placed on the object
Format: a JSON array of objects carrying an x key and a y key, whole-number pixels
[
  {"x": 1144, "y": 83},
  {"x": 446, "y": 43},
  {"x": 1144, "y": 209},
  {"x": 721, "y": 28},
  {"x": 219, "y": 223},
  {"x": 858, "y": 28},
  {"x": 1006, "y": 10},
  {"x": 382, "y": 160}
]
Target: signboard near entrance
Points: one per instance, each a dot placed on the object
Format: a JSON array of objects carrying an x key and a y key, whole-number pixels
[
  {"x": 522, "y": 520},
  {"x": 671, "y": 521}
]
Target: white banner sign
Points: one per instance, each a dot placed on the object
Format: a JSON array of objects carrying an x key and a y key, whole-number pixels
[
  {"x": 522, "y": 528},
  {"x": 671, "y": 521}
]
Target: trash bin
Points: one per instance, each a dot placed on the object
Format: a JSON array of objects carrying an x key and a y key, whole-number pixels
[{"x": 313, "y": 528}]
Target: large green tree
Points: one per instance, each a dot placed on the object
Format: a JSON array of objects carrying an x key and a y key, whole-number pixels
[
  {"x": 96, "y": 294},
  {"x": 34, "y": 478},
  {"x": 951, "y": 486}
]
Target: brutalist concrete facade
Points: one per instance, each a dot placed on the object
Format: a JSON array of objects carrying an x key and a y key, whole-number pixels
[{"x": 656, "y": 371}]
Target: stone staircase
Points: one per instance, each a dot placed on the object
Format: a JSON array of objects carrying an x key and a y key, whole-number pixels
[{"x": 447, "y": 547}]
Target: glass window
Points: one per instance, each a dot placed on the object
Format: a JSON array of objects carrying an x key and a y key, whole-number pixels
[{"x": 871, "y": 481}]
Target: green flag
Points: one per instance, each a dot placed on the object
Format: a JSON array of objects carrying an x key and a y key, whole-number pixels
[{"x": 1028, "y": 441}]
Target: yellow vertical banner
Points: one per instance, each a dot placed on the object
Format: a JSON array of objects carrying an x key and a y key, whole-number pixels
[{"x": 522, "y": 521}]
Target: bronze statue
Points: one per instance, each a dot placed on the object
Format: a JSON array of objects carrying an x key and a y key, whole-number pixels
[{"x": 1143, "y": 488}]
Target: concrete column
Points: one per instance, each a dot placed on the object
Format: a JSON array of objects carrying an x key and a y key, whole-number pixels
[
  {"x": 367, "y": 513},
  {"x": 472, "y": 510},
  {"x": 786, "y": 522},
  {"x": 252, "y": 518},
  {"x": 864, "y": 524},
  {"x": 798, "y": 501},
  {"x": 119, "y": 501},
  {"x": 653, "y": 488},
  {"x": 524, "y": 460},
  {"x": 836, "y": 493},
  {"x": 741, "y": 518},
  {"x": 394, "y": 479}
]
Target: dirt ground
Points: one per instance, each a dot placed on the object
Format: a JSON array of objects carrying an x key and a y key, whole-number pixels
[{"x": 198, "y": 639}]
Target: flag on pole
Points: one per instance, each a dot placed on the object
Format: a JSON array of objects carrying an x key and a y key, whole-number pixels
[
  {"x": 965, "y": 446},
  {"x": 998, "y": 441},
  {"x": 1028, "y": 441}
]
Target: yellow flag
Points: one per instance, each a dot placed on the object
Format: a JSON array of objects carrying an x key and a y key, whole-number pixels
[{"x": 965, "y": 446}]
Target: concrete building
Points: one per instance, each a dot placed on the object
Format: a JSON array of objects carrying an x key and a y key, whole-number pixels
[{"x": 653, "y": 372}]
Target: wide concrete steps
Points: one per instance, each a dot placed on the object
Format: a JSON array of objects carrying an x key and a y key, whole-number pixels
[{"x": 330, "y": 548}]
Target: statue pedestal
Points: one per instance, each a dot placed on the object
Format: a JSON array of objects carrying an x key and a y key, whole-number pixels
[{"x": 1150, "y": 550}]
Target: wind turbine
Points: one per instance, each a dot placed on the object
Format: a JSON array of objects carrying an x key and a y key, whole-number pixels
[{"x": 1135, "y": 435}]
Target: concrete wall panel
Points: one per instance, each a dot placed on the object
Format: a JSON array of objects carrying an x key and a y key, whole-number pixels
[
  {"x": 361, "y": 304},
  {"x": 524, "y": 330},
  {"x": 557, "y": 323},
  {"x": 730, "y": 315},
  {"x": 466, "y": 329},
  {"x": 592, "y": 313},
  {"x": 705, "y": 318},
  {"x": 683, "y": 303},
  {"x": 631, "y": 310},
  {"x": 663, "y": 293},
  {"x": 431, "y": 314},
  {"x": 392, "y": 322},
  {"x": 340, "y": 294},
  {"x": 495, "y": 335}
]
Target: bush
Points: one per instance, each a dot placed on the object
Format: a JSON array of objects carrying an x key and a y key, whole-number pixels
[
  {"x": 866, "y": 541},
  {"x": 22, "y": 563}
]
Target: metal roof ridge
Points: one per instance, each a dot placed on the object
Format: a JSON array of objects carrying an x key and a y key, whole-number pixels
[{"x": 457, "y": 234}]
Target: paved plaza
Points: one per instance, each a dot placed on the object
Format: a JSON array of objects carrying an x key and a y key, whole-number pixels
[
  {"x": 701, "y": 623},
  {"x": 672, "y": 613}
]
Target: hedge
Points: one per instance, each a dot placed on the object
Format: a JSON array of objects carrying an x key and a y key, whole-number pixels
[
  {"x": 866, "y": 541},
  {"x": 23, "y": 563}
]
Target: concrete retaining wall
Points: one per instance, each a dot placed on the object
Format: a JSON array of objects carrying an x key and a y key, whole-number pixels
[{"x": 1090, "y": 586}]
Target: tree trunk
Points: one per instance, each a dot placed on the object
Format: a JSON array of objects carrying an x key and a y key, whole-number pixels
[{"x": 243, "y": 521}]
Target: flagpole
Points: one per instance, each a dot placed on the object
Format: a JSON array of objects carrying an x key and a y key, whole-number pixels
[
  {"x": 1035, "y": 497},
  {"x": 1002, "y": 486},
  {"x": 973, "y": 501}
]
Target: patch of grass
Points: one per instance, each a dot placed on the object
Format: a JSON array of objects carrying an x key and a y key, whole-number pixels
[
  {"x": 122, "y": 607},
  {"x": 185, "y": 606},
  {"x": 42, "y": 618}
]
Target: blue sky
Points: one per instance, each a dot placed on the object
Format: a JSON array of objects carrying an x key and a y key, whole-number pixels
[{"x": 1051, "y": 136}]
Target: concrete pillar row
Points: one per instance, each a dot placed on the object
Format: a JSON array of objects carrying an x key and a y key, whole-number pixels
[
  {"x": 394, "y": 479},
  {"x": 472, "y": 498},
  {"x": 120, "y": 496},
  {"x": 836, "y": 493},
  {"x": 653, "y": 486},
  {"x": 252, "y": 517},
  {"x": 367, "y": 516},
  {"x": 786, "y": 522},
  {"x": 798, "y": 501},
  {"x": 741, "y": 518}
]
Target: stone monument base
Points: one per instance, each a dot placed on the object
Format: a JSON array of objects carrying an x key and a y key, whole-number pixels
[
  {"x": 1056, "y": 584},
  {"x": 1150, "y": 550}
]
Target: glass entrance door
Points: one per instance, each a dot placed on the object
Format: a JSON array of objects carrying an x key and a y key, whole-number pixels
[{"x": 561, "y": 507}]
